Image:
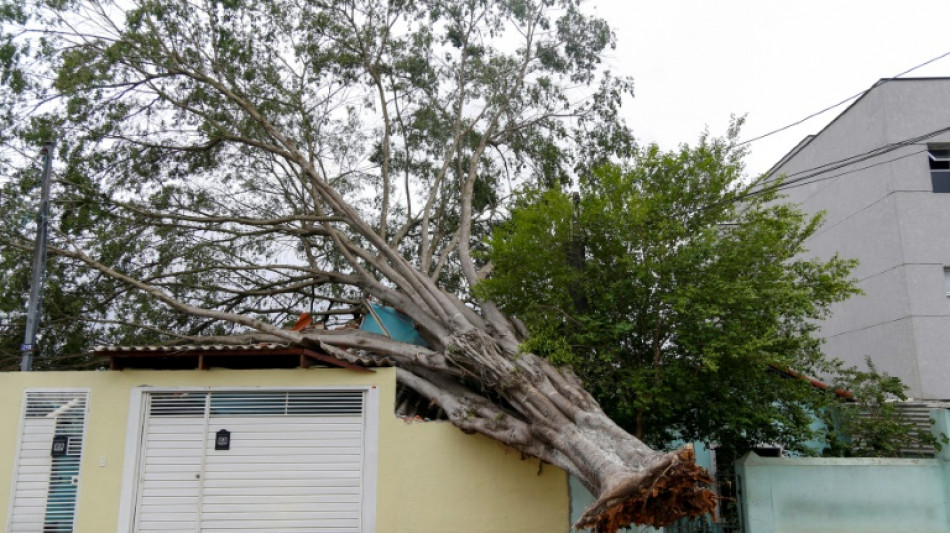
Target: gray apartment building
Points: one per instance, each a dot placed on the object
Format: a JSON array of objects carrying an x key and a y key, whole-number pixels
[{"x": 881, "y": 174}]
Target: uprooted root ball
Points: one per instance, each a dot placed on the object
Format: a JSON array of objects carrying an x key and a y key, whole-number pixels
[{"x": 674, "y": 488}]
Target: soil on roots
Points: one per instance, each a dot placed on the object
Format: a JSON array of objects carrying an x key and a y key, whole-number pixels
[{"x": 674, "y": 488}]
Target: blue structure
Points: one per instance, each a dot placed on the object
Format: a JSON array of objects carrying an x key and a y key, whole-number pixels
[{"x": 395, "y": 325}]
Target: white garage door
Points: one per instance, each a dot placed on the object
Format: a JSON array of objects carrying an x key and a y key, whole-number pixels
[{"x": 293, "y": 464}]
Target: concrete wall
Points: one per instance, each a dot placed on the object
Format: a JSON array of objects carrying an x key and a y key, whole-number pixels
[
  {"x": 431, "y": 476},
  {"x": 883, "y": 212},
  {"x": 819, "y": 495},
  {"x": 811, "y": 495}
]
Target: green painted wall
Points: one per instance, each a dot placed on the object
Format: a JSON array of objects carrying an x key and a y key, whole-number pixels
[{"x": 870, "y": 495}]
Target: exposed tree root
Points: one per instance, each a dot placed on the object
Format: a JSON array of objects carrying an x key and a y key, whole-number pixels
[{"x": 674, "y": 487}]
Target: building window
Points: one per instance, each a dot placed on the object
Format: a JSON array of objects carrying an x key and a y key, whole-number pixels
[
  {"x": 940, "y": 169},
  {"x": 946, "y": 283}
]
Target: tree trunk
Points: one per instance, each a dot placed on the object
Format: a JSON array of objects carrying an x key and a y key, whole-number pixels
[
  {"x": 476, "y": 372},
  {"x": 522, "y": 400},
  {"x": 474, "y": 369},
  {"x": 562, "y": 424}
]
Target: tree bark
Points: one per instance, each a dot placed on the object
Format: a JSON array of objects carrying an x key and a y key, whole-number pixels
[
  {"x": 474, "y": 368},
  {"x": 477, "y": 374}
]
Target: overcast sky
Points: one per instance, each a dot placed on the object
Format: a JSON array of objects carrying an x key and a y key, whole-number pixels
[{"x": 696, "y": 62}]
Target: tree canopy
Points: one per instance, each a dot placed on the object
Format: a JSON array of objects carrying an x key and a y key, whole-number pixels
[
  {"x": 182, "y": 126},
  {"x": 679, "y": 292},
  {"x": 223, "y": 164}
]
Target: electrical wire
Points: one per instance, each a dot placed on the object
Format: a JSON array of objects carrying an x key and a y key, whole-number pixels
[
  {"x": 846, "y": 100},
  {"x": 852, "y": 171},
  {"x": 863, "y": 156},
  {"x": 805, "y": 177},
  {"x": 813, "y": 172}
]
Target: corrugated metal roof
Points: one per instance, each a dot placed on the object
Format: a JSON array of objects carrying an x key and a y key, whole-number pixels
[
  {"x": 372, "y": 362},
  {"x": 99, "y": 350},
  {"x": 257, "y": 355},
  {"x": 262, "y": 348},
  {"x": 409, "y": 404}
]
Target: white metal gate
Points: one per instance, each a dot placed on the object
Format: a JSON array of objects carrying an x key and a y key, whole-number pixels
[
  {"x": 293, "y": 462},
  {"x": 46, "y": 479}
]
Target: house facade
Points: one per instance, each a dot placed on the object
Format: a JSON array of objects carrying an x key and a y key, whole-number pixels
[
  {"x": 880, "y": 173},
  {"x": 268, "y": 449}
]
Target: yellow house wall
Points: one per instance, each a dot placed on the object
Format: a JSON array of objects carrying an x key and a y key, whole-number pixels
[{"x": 431, "y": 476}]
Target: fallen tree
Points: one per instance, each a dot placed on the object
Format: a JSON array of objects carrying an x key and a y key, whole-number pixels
[{"x": 236, "y": 161}]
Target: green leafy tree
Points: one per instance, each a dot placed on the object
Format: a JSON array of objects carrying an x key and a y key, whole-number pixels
[
  {"x": 873, "y": 424},
  {"x": 221, "y": 164},
  {"x": 679, "y": 293}
]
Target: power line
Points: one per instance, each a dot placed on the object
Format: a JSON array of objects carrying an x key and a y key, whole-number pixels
[
  {"x": 852, "y": 171},
  {"x": 863, "y": 156},
  {"x": 797, "y": 122},
  {"x": 846, "y": 100},
  {"x": 924, "y": 64},
  {"x": 808, "y": 174}
]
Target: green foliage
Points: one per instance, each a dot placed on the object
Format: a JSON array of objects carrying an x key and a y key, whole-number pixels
[
  {"x": 694, "y": 294},
  {"x": 873, "y": 424},
  {"x": 174, "y": 121}
]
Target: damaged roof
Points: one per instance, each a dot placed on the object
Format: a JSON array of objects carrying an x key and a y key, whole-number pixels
[
  {"x": 384, "y": 320},
  {"x": 204, "y": 356},
  {"x": 409, "y": 404}
]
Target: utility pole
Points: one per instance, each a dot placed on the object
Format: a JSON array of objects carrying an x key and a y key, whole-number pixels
[
  {"x": 576, "y": 255},
  {"x": 39, "y": 265}
]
